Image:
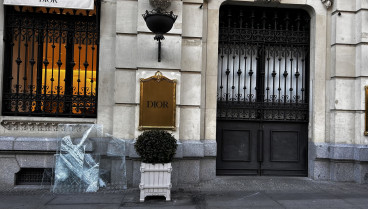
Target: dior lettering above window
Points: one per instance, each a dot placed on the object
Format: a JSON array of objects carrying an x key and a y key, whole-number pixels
[{"x": 50, "y": 61}]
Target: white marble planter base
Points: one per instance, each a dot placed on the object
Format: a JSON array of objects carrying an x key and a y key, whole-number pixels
[{"x": 155, "y": 180}]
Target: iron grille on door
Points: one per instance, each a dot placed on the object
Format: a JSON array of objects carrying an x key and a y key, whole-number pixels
[
  {"x": 263, "y": 64},
  {"x": 51, "y": 62}
]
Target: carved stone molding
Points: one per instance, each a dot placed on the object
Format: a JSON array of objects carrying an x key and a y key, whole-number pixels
[
  {"x": 327, "y": 3},
  {"x": 15, "y": 125}
]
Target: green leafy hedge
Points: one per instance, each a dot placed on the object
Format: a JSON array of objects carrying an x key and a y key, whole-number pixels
[{"x": 156, "y": 146}]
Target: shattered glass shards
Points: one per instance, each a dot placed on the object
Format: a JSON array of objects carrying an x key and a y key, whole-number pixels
[{"x": 87, "y": 161}]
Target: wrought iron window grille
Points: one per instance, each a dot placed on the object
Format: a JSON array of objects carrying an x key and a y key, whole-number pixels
[
  {"x": 263, "y": 64},
  {"x": 50, "y": 62}
]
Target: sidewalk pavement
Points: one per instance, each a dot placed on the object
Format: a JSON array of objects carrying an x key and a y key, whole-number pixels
[{"x": 235, "y": 192}]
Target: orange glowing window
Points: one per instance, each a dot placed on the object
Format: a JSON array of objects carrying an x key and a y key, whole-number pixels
[{"x": 51, "y": 62}]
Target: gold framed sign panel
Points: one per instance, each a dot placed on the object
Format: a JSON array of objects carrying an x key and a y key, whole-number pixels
[
  {"x": 157, "y": 108},
  {"x": 366, "y": 109}
]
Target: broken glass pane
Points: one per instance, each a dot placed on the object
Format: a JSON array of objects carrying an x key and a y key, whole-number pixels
[{"x": 86, "y": 161}]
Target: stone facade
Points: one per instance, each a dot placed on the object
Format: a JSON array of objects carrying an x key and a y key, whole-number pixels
[{"x": 338, "y": 149}]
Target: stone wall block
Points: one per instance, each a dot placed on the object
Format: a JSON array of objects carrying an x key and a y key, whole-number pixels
[
  {"x": 343, "y": 61},
  {"x": 176, "y": 7},
  {"x": 208, "y": 169},
  {"x": 319, "y": 150},
  {"x": 36, "y": 161},
  {"x": 189, "y": 171},
  {"x": 6, "y": 142},
  {"x": 125, "y": 86},
  {"x": 192, "y": 20},
  {"x": 1, "y": 18},
  {"x": 342, "y": 152},
  {"x": 106, "y": 73},
  {"x": 342, "y": 171},
  {"x": 344, "y": 5},
  {"x": 344, "y": 28},
  {"x": 147, "y": 56},
  {"x": 175, "y": 173},
  {"x": 361, "y": 153},
  {"x": 321, "y": 170},
  {"x": 211, "y": 92},
  {"x": 360, "y": 138},
  {"x": 193, "y": 148},
  {"x": 41, "y": 144},
  {"x": 359, "y": 27},
  {"x": 129, "y": 172},
  {"x": 117, "y": 174},
  {"x": 123, "y": 126},
  {"x": 361, "y": 173},
  {"x": 210, "y": 121},
  {"x": 191, "y": 55},
  {"x": 126, "y": 51},
  {"x": 210, "y": 148},
  {"x": 190, "y": 121},
  {"x": 108, "y": 18},
  {"x": 136, "y": 173},
  {"x": 8, "y": 166},
  {"x": 361, "y": 60},
  {"x": 179, "y": 150},
  {"x": 190, "y": 89},
  {"x": 342, "y": 127},
  {"x": 343, "y": 92},
  {"x": 126, "y": 16},
  {"x": 361, "y": 4},
  {"x": 105, "y": 116}
]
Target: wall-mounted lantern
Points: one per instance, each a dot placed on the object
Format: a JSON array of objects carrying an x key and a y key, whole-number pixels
[{"x": 159, "y": 21}]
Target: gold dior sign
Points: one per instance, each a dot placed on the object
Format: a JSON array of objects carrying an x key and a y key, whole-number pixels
[{"x": 157, "y": 103}]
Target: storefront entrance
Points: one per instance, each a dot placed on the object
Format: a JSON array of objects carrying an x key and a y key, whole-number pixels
[{"x": 263, "y": 91}]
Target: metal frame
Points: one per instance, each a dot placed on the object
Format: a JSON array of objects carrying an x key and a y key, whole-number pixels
[{"x": 158, "y": 77}]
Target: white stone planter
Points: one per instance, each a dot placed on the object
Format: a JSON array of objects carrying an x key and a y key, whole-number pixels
[{"x": 155, "y": 180}]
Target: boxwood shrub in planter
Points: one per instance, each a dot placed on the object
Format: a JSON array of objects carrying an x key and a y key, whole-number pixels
[{"x": 156, "y": 149}]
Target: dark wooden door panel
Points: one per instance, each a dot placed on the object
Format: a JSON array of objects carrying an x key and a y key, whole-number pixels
[
  {"x": 285, "y": 149},
  {"x": 237, "y": 148}
]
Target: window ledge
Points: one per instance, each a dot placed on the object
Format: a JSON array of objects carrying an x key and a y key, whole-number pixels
[{"x": 15, "y": 123}]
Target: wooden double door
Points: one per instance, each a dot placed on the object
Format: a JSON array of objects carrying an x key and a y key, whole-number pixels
[{"x": 267, "y": 148}]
